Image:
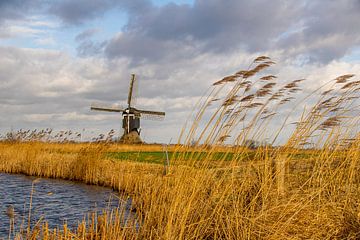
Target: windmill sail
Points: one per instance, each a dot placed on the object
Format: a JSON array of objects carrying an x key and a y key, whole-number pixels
[
  {"x": 150, "y": 112},
  {"x": 105, "y": 108},
  {"x": 152, "y": 115},
  {"x": 131, "y": 89}
]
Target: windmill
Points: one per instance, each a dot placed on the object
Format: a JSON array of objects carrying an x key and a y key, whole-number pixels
[{"x": 131, "y": 116}]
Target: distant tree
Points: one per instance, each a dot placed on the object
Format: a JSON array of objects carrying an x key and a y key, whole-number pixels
[{"x": 253, "y": 144}]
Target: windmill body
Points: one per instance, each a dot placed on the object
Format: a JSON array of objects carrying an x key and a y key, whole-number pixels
[
  {"x": 131, "y": 117},
  {"x": 131, "y": 122}
]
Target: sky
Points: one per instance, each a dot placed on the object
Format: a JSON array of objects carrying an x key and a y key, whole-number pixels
[{"x": 58, "y": 57}]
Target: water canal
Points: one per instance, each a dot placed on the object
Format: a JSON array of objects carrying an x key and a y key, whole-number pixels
[{"x": 54, "y": 201}]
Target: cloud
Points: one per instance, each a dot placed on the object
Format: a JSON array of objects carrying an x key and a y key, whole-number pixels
[
  {"x": 45, "y": 88},
  {"x": 328, "y": 31},
  {"x": 30, "y": 27},
  {"x": 76, "y": 12},
  {"x": 317, "y": 31},
  {"x": 49, "y": 41},
  {"x": 90, "y": 48},
  {"x": 13, "y": 14},
  {"x": 17, "y": 30},
  {"x": 14, "y": 9},
  {"x": 86, "y": 34},
  {"x": 207, "y": 26}
]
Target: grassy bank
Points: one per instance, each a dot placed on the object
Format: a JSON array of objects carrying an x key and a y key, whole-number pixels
[{"x": 306, "y": 189}]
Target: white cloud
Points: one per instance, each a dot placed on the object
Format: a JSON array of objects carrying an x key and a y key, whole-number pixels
[
  {"x": 49, "y": 41},
  {"x": 19, "y": 28},
  {"x": 41, "y": 21}
]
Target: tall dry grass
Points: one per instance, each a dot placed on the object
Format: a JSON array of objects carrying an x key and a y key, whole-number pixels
[{"x": 306, "y": 189}]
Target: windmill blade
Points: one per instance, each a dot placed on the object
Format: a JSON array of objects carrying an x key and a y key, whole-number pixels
[
  {"x": 152, "y": 115},
  {"x": 105, "y": 108},
  {"x": 151, "y": 112},
  {"x": 131, "y": 89},
  {"x": 135, "y": 92}
]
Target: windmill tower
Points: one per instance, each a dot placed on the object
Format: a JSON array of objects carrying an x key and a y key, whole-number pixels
[{"x": 131, "y": 117}]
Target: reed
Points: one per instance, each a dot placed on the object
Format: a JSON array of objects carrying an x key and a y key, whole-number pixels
[{"x": 306, "y": 188}]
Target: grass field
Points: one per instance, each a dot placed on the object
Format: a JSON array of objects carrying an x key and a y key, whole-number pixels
[
  {"x": 159, "y": 157},
  {"x": 215, "y": 189}
]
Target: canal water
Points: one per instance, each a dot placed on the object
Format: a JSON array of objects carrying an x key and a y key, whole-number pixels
[{"x": 54, "y": 201}]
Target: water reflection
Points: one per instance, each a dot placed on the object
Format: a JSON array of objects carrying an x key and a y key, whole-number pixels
[{"x": 54, "y": 201}]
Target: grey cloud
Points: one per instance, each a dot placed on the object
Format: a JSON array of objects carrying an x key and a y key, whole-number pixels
[
  {"x": 207, "y": 26},
  {"x": 79, "y": 11},
  {"x": 319, "y": 31},
  {"x": 28, "y": 78},
  {"x": 17, "y": 9},
  {"x": 142, "y": 49},
  {"x": 88, "y": 33},
  {"x": 76, "y": 12},
  {"x": 90, "y": 48},
  {"x": 222, "y": 25},
  {"x": 8, "y": 9},
  {"x": 154, "y": 33},
  {"x": 329, "y": 30},
  {"x": 42, "y": 88}
]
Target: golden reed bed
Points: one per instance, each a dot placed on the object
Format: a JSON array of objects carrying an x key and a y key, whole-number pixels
[{"x": 318, "y": 197}]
